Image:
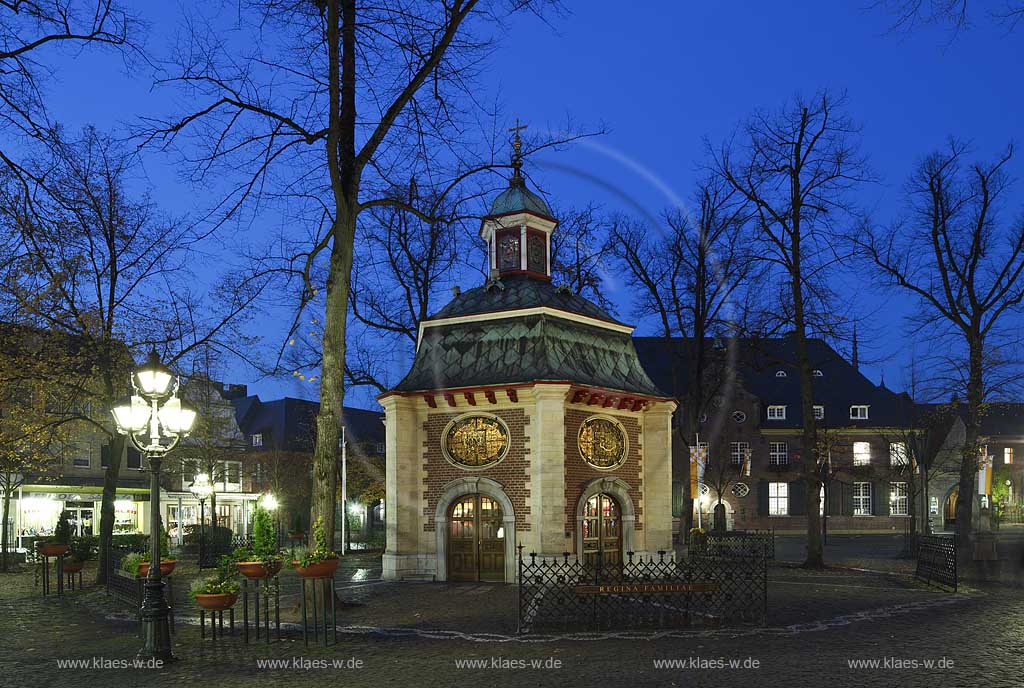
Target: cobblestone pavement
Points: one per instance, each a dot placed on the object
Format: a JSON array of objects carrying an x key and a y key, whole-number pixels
[{"x": 819, "y": 622}]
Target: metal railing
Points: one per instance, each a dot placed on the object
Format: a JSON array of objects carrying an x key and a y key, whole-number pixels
[
  {"x": 936, "y": 560},
  {"x": 642, "y": 592}
]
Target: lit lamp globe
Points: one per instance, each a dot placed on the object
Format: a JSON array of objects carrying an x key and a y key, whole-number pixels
[
  {"x": 177, "y": 417},
  {"x": 269, "y": 502},
  {"x": 153, "y": 378},
  {"x": 131, "y": 415}
]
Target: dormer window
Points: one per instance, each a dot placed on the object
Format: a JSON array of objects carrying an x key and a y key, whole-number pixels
[
  {"x": 776, "y": 413},
  {"x": 780, "y": 373},
  {"x": 819, "y": 412},
  {"x": 859, "y": 412},
  {"x": 817, "y": 373}
]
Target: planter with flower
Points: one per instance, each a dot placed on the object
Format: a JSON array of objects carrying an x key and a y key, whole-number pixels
[
  {"x": 60, "y": 542},
  {"x": 318, "y": 561},
  {"x": 219, "y": 592},
  {"x": 82, "y": 549},
  {"x": 262, "y": 560},
  {"x": 137, "y": 563}
]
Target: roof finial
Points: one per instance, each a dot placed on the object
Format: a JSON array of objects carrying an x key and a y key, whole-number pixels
[{"x": 517, "y": 150}]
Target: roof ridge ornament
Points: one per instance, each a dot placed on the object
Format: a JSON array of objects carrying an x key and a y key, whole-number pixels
[{"x": 517, "y": 152}]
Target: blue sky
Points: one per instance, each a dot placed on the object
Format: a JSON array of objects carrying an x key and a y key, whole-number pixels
[{"x": 662, "y": 75}]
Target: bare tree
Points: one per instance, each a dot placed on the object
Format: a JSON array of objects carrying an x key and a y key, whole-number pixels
[
  {"x": 953, "y": 14},
  {"x": 30, "y": 31},
  {"x": 580, "y": 253},
  {"x": 94, "y": 264},
  {"x": 796, "y": 167},
  {"x": 964, "y": 266},
  {"x": 688, "y": 278},
  {"x": 338, "y": 109}
]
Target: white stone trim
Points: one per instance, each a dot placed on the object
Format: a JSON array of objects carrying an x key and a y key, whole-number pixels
[
  {"x": 522, "y": 312},
  {"x": 619, "y": 489},
  {"x": 461, "y": 487}
]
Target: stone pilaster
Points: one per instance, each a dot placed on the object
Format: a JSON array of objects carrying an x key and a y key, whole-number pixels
[
  {"x": 403, "y": 513},
  {"x": 547, "y": 469},
  {"x": 657, "y": 475}
]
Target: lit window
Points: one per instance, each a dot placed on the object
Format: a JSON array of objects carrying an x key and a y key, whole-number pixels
[
  {"x": 1008, "y": 455},
  {"x": 861, "y": 453},
  {"x": 738, "y": 452},
  {"x": 776, "y": 413},
  {"x": 898, "y": 454},
  {"x": 778, "y": 454},
  {"x": 898, "y": 499},
  {"x": 780, "y": 373},
  {"x": 859, "y": 412},
  {"x": 380, "y": 448},
  {"x": 778, "y": 499},
  {"x": 819, "y": 412},
  {"x": 862, "y": 499},
  {"x": 257, "y": 440}
]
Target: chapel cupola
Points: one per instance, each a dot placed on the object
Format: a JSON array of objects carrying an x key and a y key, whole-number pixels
[{"x": 518, "y": 228}]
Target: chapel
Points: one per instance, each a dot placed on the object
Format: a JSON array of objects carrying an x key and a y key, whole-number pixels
[{"x": 526, "y": 419}]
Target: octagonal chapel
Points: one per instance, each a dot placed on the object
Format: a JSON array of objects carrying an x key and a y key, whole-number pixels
[{"x": 526, "y": 419}]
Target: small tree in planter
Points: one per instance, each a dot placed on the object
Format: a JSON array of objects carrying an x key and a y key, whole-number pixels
[
  {"x": 319, "y": 561},
  {"x": 59, "y": 543},
  {"x": 263, "y": 560}
]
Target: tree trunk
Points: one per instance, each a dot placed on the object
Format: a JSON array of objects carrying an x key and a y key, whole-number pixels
[
  {"x": 4, "y": 534},
  {"x": 969, "y": 455},
  {"x": 110, "y": 478}
]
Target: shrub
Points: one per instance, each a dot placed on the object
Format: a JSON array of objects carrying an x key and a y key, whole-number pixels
[
  {"x": 213, "y": 585},
  {"x": 264, "y": 539},
  {"x": 62, "y": 533},
  {"x": 320, "y": 551},
  {"x": 214, "y": 535},
  {"x": 130, "y": 562},
  {"x": 84, "y": 548}
]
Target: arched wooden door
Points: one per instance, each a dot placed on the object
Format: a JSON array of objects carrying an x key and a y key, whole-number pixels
[
  {"x": 950, "y": 508},
  {"x": 602, "y": 531},
  {"x": 476, "y": 540}
]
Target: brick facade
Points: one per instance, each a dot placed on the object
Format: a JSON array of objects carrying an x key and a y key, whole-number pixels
[
  {"x": 578, "y": 472},
  {"x": 511, "y": 473}
]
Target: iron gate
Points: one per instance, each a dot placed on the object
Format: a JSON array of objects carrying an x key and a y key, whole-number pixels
[{"x": 644, "y": 592}]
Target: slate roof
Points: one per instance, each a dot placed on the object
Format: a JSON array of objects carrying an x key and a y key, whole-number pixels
[
  {"x": 520, "y": 291},
  {"x": 999, "y": 418},
  {"x": 517, "y": 198},
  {"x": 758, "y": 362},
  {"x": 523, "y": 349},
  {"x": 289, "y": 424}
]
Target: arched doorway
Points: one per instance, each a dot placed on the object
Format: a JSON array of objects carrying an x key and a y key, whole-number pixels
[
  {"x": 476, "y": 539},
  {"x": 949, "y": 519},
  {"x": 602, "y": 530}
]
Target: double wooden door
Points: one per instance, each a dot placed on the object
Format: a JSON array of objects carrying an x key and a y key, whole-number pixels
[
  {"x": 476, "y": 540},
  {"x": 602, "y": 531}
]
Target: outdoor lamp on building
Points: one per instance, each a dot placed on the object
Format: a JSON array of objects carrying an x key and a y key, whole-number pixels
[
  {"x": 269, "y": 502},
  {"x": 154, "y": 420},
  {"x": 201, "y": 489}
]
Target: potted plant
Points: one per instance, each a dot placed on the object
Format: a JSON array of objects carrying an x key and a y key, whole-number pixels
[
  {"x": 130, "y": 563},
  {"x": 297, "y": 533},
  {"x": 319, "y": 561},
  {"x": 263, "y": 560},
  {"x": 219, "y": 592},
  {"x": 166, "y": 563},
  {"x": 82, "y": 549},
  {"x": 59, "y": 543}
]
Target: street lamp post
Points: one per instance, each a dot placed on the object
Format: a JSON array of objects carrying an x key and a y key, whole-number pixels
[
  {"x": 154, "y": 419},
  {"x": 201, "y": 489}
]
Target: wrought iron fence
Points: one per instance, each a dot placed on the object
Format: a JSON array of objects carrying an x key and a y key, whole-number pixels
[
  {"x": 213, "y": 550},
  {"x": 129, "y": 589},
  {"x": 739, "y": 543},
  {"x": 644, "y": 592},
  {"x": 936, "y": 560}
]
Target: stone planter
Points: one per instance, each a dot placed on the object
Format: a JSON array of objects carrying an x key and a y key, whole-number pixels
[
  {"x": 321, "y": 569},
  {"x": 217, "y": 602},
  {"x": 296, "y": 535},
  {"x": 166, "y": 567},
  {"x": 52, "y": 549},
  {"x": 256, "y": 569}
]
